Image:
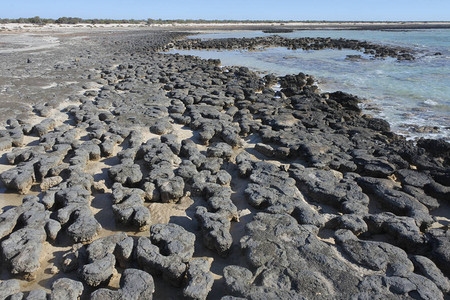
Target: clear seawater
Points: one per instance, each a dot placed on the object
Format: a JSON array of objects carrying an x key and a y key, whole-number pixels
[{"x": 407, "y": 94}]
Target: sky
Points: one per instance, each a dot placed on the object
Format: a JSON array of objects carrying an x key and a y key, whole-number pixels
[{"x": 330, "y": 10}]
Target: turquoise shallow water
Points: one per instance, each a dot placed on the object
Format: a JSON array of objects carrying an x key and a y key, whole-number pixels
[{"x": 407, "y": 94}]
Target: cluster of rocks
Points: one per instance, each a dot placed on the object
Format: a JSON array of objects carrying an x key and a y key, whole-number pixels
[
  {"x": 23, "y": 230},
  {"x": 337, "y": 205},
  {"x": 61, "y": 289},
  {"x": 305, "y": 43},
  {"x": 169, "y": 252}
]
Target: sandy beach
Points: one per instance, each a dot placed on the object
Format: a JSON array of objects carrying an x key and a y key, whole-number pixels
[{"x": 127, "y": 171}]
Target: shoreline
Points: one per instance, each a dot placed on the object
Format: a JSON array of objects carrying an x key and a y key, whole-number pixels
[
  {"x": 234, "y": 26},
  {"x": 227, "y": 43},
  {"x": 255, "y": 182}
]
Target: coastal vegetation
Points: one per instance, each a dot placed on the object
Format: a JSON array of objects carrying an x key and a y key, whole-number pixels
[{"x": 76, "y": 20}]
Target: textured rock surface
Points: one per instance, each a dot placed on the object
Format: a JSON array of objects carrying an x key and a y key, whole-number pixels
[
  {"x": 65, "y": 288},
  {"x": 199, "y": 279},
  {"x": 172, "y": 168},
  {"x": 134, "y": 284},
  {"x": 99, "y": 271},
  {"x": 8, "y": 288}
]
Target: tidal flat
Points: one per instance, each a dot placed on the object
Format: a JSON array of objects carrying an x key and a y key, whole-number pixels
[{"x": 128, "y": 172}]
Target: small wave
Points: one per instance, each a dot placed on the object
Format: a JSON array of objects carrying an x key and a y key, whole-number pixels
[{"x": 430, "y": 102}]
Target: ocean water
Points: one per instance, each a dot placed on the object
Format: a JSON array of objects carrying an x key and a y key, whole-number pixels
[{"x": 414, "y": 96}]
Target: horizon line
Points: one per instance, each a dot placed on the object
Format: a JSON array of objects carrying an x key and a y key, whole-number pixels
[{"x": 223, "y": 20}]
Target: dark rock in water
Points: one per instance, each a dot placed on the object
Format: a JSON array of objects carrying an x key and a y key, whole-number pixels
[
  {"x": 199, "y": 279},
  {"x": 99, "y": 271},
  {"x": 278, "y": 30},
  {"x": 306, "y": 43},
  {"x": 353, "y": 57},
  {"x": 378, "y": 125},
  {"x": 8, "y": 288},
  {"x": 437, "y": 148},
  {"x": 346, "y": 100},
  {"x": 66, "y": 289},
  {"x": 293, "y": 84}
]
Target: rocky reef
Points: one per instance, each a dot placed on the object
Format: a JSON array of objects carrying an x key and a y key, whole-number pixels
[
  {"x": 170, "y": 176},
  {"x": 305, "y": 43}
]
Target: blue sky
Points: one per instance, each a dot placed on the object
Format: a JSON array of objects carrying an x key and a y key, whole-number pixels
[{"x": 346, "y": 10}]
